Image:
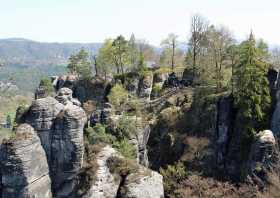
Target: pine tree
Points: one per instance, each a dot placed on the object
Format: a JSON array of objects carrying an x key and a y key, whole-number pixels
[
  {"x": 79, "y": 64},
  {"x": 252, "y": 96},
  {"x": 9, "y": 121}
]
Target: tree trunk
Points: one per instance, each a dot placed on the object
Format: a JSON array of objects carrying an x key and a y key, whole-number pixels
[{"x": 173, "y": 55}]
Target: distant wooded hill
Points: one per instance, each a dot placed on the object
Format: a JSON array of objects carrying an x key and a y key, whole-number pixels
[{"x": 27, "y": 52}]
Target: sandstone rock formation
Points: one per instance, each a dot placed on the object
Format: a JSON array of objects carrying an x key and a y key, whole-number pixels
[
  {"x": 262, "y": 151},
  {"x": 59, "y": 124},
  {"x": 40, "y": 92},
  {"x": 24, "y": 168},
  {"x": 160, "y": 79},
  {"x": 41, "y": 115},
  {"x": 275, "y": 122},
  {"x": 46, "y": 157},
  {"x": 105, "y": 184},
  {"x": 139, "y": 140},
  {"x": 223, "y": 128},
  {"x": 145, "y": 86},
  {"x": 141, "y": 183},
  {"x": 144, "y": 183}
]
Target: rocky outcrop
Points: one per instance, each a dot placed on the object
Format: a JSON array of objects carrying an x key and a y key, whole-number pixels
[
  {"x": 41, "y": 115},
  {"x": 59, "y": 123},
  {"x": 46, "y": 157},
  {"x": 105, "y": 184},
  {"x": 139, "y": 182},
  {"x": 139, "y": 139},
  {"x": 40, "y": 92},
  {"x": 67, "y": 149},
  {"x": 143, "y": 183},
  {"x": 223, "y": 128},
  {"x": 273, "y": 79},
  {"x": 24, "y": 168},
  {"x": 145, "y": 86},
  {"x": 160, "y": 79},
  {"x": 64, "y": 96},
  {"x": 262, "y": 151},
  {"x": 275, "y": 122},
  {"x": 132, "y": 82},
  {"x": 263, "y": 159}
]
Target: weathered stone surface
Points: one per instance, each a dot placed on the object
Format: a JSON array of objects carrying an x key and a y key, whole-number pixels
[
  {"x": 40, "y": 92},
  {"x": 106, "y": 184},
  {"x": 143, "y": 184},
  {"x": 64, "y": 96},
  {"x": 41, "y": 116},
  {"x": 145, "y": 86},
  {"x": 59, "y": 124},
  {"x": 275, "y": 122},
  {"x": 223, "y": 128},
  {"x": 262, "y": 150},
  {"x": 160, "y": 78},
  {"x": 67, "y": 149},
  {"x": 132, "y": 82},
  {"x": 142, "y": 137},
  {"x": 24, "y": 168}
]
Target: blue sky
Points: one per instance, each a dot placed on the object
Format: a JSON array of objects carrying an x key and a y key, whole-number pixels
[{"x": 95, "y": 20}]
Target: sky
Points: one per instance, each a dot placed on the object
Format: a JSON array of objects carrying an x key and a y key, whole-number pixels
[{"x": 153, "y": 20}]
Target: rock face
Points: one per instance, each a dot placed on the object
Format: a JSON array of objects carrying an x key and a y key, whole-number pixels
[
  {"x": 144, "y": 183},
  {"x": 132, "y": 82},
  {"x": 262, "y": 150},
  {"x": 41, "y": 116},
  {"x": 67, "y": 149},
  {"x": 275, "y": 123},
  {"x": 223, "y": 128},
  {"x": 145, "y": 86},
  {"x": 59, "y": 124},
  {"x": 160, "y": 79},
  {"x": 142, "y": 137},
  {"x": 107, "y": 116},
  {"x": 40, "y": 92},
  {"x": 106, "y": 184},
  {"x": 46, "y": 157},
  {"x": 24, "y": 167},
  {"x": 263, "y": 158}
]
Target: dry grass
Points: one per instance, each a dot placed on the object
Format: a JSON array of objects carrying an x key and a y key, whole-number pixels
[
  {"x": 195, "y": 148},
  {"x": 87, "y": 174},
  {"x": 10, "y": 104},
  {"x": 198, "y": 186},
  {"x": 273, "y": 189}
]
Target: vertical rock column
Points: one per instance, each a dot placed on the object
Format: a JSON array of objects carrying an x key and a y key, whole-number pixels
[
  {"x": 41, "y": 116},
  {"x": 223, "y": 128},
  {"x": 67, "y": 147},
  {"x": 24, "y": 167}
]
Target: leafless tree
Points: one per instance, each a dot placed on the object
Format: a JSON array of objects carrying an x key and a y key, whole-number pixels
[
  {"x": 219, "y": 39},
  {"x": 171, "y": 43},
  {"x": 199, "y": 26}
]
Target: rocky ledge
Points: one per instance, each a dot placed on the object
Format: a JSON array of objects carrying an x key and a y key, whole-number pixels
[{"x": 45, "y": 158}]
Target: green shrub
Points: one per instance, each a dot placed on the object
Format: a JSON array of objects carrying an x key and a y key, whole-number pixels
[
  {"x": 126, "y": 127},
  {"x": 125, "y": 148},
  {"x": 172, "y": 176},
  {"x": 118, "y": 97},
  {"x": 98, "y": 134},
  {"x": 157, "y": 90},
  {"x": 47, "y": 85},
  {"x": 134, "y": 107},
  {"x": 121, "y": 166}
]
